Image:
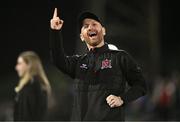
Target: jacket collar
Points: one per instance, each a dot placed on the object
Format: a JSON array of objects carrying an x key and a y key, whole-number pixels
[{"x": 99, "y": 49}]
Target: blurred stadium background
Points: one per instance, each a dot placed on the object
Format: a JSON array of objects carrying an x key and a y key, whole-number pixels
[{"x": 147, "y": 29}]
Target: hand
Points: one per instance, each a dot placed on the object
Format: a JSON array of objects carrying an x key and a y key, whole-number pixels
[
  {"x": 114, "y": 101},
  {"x": 56, "y": 23}
]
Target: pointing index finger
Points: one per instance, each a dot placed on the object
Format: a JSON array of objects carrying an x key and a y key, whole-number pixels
[{"x": 55, "y": 13}]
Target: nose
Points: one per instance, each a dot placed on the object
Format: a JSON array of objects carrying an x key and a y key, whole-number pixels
[{"x": 90, "y": 27}]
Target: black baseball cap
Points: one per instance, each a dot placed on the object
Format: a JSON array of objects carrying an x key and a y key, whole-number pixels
[{"x": 85, "y": 15}]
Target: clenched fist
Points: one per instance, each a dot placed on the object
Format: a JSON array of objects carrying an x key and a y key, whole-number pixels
[
  {"x": 114, "y": 101},
  {"x": 56, "y": 23}
]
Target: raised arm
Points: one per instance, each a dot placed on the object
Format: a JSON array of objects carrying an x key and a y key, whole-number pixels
[{"x": 65, "y": 63}]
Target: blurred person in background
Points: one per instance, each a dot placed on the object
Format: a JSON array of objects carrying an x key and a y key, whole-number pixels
[
  {"x": 163, "y": 98},
  {"x": 33, "y": 89},
  {"x": 100, "y": 75}
]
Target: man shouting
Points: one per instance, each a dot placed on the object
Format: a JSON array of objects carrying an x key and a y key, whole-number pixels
[{"x": 100, "y": 75}]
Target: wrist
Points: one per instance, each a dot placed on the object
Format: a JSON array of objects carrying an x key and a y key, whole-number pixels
[{"x": 120, "y": 100}]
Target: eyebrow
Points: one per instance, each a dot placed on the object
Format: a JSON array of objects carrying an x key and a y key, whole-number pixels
[{"x": 85, "y": 24}]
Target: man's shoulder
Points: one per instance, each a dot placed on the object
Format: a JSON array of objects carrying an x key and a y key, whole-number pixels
[{"x": 114, "y": 49}]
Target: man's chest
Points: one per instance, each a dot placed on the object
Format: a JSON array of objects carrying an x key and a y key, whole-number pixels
[{"x": 98, "y": 68}]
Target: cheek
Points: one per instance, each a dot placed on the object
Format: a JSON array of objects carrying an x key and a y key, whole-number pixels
[
  {"x": 18, "y": 67},
  {"x": 84, "y": 33},
  {"x": 100, "y": 31},
  {"x": 21, "y": 68},
  {"x": 101, "y": 35}
]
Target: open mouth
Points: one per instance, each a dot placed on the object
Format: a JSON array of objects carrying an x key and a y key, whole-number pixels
[{"x": 92, "y": 34}]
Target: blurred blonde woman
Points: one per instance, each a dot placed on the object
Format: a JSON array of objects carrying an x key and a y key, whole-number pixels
[{"x": 33, "y": 89}]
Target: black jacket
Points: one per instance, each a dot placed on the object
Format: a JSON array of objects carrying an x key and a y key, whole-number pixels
[
  {"x": 98, "y": 74},
  {"x": 30, "y": 102}
]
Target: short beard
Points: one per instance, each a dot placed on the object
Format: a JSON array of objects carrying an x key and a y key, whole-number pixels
[{"x": 94, "y": 44}]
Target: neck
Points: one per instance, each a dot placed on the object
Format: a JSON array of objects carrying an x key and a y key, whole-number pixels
[{"x": 97, "y": 46}]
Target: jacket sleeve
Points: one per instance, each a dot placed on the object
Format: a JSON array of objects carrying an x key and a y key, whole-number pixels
[
  {"x": 66, "y": 64},
  {"x": 134, "y": 78}
]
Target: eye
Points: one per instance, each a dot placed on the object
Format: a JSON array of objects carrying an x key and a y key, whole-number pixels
[
  {"x": 94, "y": 24},
  {"x": 85, "y": 26}
]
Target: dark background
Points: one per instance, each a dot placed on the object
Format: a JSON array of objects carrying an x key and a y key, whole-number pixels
[{"x": 148, "y": 30}]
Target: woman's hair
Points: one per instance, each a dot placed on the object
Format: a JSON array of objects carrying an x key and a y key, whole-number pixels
[{"x": 35, "y": 69}]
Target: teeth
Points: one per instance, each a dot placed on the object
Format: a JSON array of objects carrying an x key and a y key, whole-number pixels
[{"x": 92, "y": 33}]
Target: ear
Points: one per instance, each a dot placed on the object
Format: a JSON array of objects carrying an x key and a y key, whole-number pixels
[
  {"x": 104, "y": 31},
  {"x": 82, "y": 38}
]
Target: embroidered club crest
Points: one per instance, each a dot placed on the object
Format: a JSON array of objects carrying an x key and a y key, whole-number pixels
[{"x": 106, "y": 64}]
